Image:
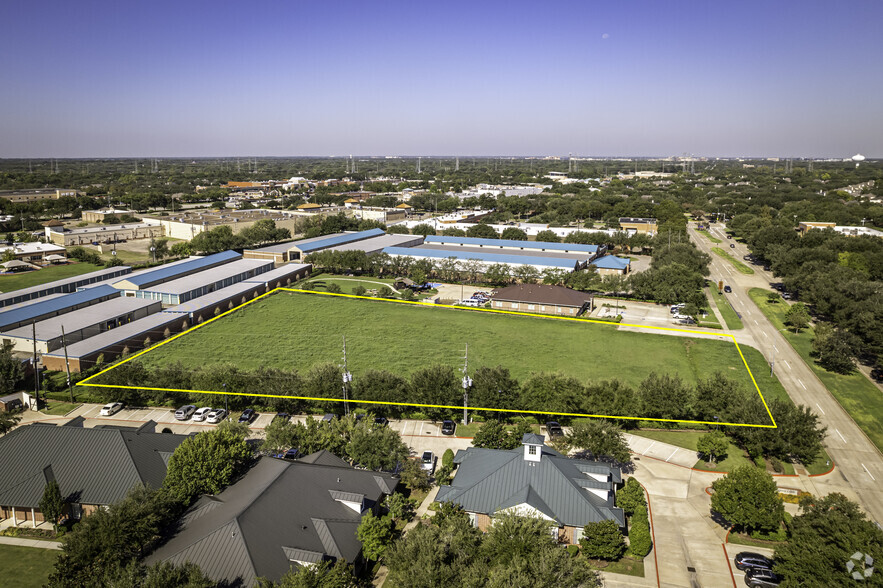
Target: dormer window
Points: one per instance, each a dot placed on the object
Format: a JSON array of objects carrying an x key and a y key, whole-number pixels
[{"x": 532, "y": 449}]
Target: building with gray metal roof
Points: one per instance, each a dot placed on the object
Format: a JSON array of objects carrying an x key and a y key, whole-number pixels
[
  {"x": 485, "y": 260},
  {"x": 534, "y": 480},
  {"x": 378, "y": 244},
  {"x": 63, "y": 286},
  {"x": 306, "y": 246},
  {"x": 171, "y": 271},
  {"x": 43, "y": 309},
  {"x": 93, "y": 467},
  {"x": 84, "y": 323},
  {"x": 200, "y": 283},
  {"x": 507, "y": 245},
  {"x": 282, "y": 276},
  {"x": 279, "y": 515}
]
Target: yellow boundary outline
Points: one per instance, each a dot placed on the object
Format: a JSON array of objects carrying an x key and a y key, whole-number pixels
[{"x": 447, "y": 306}]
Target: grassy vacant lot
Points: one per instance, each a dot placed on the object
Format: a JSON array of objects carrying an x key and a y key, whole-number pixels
[
  {"x": 730, "y": 317},
  {"x": 47, "y": 274},
  {"x": 858, "y": 395},
  {"x": 26, "y": 567},
  {"x": 297, "y": 331},
  {"x": 741, "y": 267}
]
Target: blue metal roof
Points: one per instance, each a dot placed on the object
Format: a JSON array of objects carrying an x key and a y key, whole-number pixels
[
  {"x": 164, "y": 273},
  {"x": 509, "y": 259},
  {"x": 39, "y": 309},
  {"x": 510, "y": 243},
  {"x": 333, "y": 240},
  {"x": 611, "y": 262}
]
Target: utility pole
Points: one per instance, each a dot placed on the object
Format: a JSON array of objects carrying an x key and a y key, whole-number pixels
[
  {"x": 467, "y": 383},
  {"x": 67, "y": 364},
  {"x": 347, "y": 378}
]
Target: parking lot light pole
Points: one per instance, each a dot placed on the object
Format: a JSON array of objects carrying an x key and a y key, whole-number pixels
[
  {"x": 226, "y": 407},
  {"x": 467, "y": 383}
]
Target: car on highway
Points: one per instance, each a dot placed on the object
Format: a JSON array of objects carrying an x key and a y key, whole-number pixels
[
  {"x": 111, "y": 408},
  {"x": 448, "y": 427},
  {"x": 216, "y": 416},
  {"x": 427, "y": 462},
  {"x": 762, "y": 579},
  {"x": 201, "y": 413},
  {"x": 748, "y": 560},
  {"x": 727, "y": 289},
  {"x": 248, "y": 416},
  {"x": 732, "y": 245},
  {"x": 554, "y": 429},
  {"x": 185, "y": 412}
]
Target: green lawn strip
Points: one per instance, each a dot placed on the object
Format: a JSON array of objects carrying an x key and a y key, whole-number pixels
[
  {"x": 348, "y": 284},
  {"x": 688, "y": 439},
  {"x": 42, "y": 276},
  {"x": 56, "y": 408},
  {"x": 820, "y": 466},
  {"x": 708, "y": 235},
  {"x": 627, "y": 566},
  {"x": 741, "y": 267},
  {"x": 298, "y": 331},
  {"x": 472, "y": 428},
  {"x": 858, "y": 395},
  {"x": 741, "y": 539},
  {"x": 729, "y": 315},
  {"x": 26, "y": 567}
]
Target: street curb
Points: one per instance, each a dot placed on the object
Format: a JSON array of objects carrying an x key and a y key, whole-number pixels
[{"x": 652, "y": 532}]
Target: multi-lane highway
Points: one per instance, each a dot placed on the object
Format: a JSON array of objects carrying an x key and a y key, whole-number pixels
[{"x": 859, "y": 463}]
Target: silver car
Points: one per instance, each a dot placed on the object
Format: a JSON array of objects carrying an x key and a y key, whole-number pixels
[
  {"x": 185, "y": 412},
  {"x": 201, "y": 413},
  {"x": 216, "y": 416}
]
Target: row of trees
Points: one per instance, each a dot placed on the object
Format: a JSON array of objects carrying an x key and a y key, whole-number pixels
[{"x": 222, "y": 238}]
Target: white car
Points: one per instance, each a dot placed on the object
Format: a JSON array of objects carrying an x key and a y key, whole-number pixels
[
  {"x": 216, "y": 416},
  {"x": 427, "y": 462},
  {"x": 201, "y": 413},
  {"x": 111, "y": 408}
]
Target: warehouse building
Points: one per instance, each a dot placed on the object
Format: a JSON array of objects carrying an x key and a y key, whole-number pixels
[
  {"x": 539, "y": 261},
  {"x": 612, "y": 265},
  {"x": 304, "y": 247},
  {"x": 38, "y": 194},
  {"x": 586, "y": 252},
  {"x": 645, "y": 226},
  {"x": 79, "y": 325},
  {"x": 186, "y": 225},
  {"x": 211, "y": 305},
  {"x": 129, "y": 337},
  {"x": 277, "y": 253},
  {"x": 44, "y": 309},
  {"x": 36, "y": 253},
  {"x": 200, "y": 283},
  {"x": 104, "y": 234},
  {"x": 148, "y": 278},
  {"x": 282, "y": 276},
  {"x": 543, "y": 299},
  {"x": 98, "y": 216},
  {"x": 377, "y": 244},
  {"x": 64, "y": 286}
]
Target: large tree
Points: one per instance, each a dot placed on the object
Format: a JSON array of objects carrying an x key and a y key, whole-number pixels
[
  {"x": 749, "y": 499},
  {"x": 714, "y": 445},
  {"x": 600, "y": 438},
  {"x": 52, "y": 503},
  {"x": 375, "y": 534},
  {"x": 11, "y": 370}
]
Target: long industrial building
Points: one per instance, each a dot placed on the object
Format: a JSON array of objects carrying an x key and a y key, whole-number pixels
[
  {"x": 586, "y": 252},
  {"x": 64, "y": 286},
  {"x": 485, "y": 260},
  {"x": 147, "y": 278},
  {"x": 44, "y": 309}
]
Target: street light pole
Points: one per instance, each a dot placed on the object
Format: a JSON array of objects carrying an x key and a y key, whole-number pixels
[{"x": 467, "y": 383}]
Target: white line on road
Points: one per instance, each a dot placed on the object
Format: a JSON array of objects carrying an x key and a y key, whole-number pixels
[
  {"x": 801, "y": 383},
  {"x": 764, "y": 334},
  {"x": 756, "y": 323},
  {"x": 869, "y": 472},
  {"x": 820, "y": 408},
  {"x": 786, "y": 363},
  {"x": 672, "y": 454},
  {"x": 841, "y": 435}
]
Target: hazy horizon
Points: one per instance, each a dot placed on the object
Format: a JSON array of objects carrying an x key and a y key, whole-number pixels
[{"x": 100, "y": 79}]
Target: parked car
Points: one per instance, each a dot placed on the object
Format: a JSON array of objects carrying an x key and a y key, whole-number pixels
[
  {"x": 282, "y": 416},
  {"x": 111, "y": 408},
  {"x": 732, "y": 245},
  {"x": 381, "y": 421},
  {"x": 554, "y": 429},
  {"x": 185, "y": 412},
  {"x": 448, "y": 427},
  {"x": 762, "y": 579},
  {"x": 248, "y": 416},
  {"x": 292, "y": 453},
  {"x": 877, "y": 374},
  {"x": 676, "y": 307},
  {"x": 328, "y": 417},
  {"x": 747, "y": 560},
  {"x": 727, "y": 289},
  {"x": 216, "y": 416},
  {"x": 687, "y": 321},
  {"x": 427, "y": 462},
  {"x": 729, "y": 236},
  {"x": 201, "y": 413}
]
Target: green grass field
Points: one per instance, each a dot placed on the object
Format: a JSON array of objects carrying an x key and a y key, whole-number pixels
[
  {"x": 729, "y": 315},
  {"x": 858, "y": 395},
  {"x": 26, "y": 567},
  {"x": 297, "y": 331},
  {"x": 47, "y": 274},
  {"x": 741, "y": 267}
]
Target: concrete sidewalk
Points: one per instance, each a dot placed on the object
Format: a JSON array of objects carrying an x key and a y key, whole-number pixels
[
  {"x": 25, "y": 542},
  {"x": 662, "y": 451}
]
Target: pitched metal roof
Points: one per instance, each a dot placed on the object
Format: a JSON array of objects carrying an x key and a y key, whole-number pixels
[
  {"x": 611, "y": 262},
  {"x": 109, "y": 339},
  {"x": 324, "y": 242},
  {"x": 63, "y": 286},
  {"x": 512, "y": 259},
  {"x": 55, "y": 306},
  {"x": 489, "y": 480},
  {"x": 211, "y": 276},
  {"x": 92, "y": 315},
  {"x": 91, "y": 466},
  {"x": 509, "y": 243},
  {"x": 279, "y": 512},
  {"x": 171, "y": 271},
  {"x": 280, "y": 273},
  {"x": 542, "y": 294}
]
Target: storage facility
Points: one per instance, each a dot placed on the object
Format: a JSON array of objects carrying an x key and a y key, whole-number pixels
[
  {"x": 282, "y": 276},
  {"x": 306, "y": 246},
  {"x": 44, "y": 309},
  {"x": 62, "y": 286},
  {"x": 147, "y": 278},
  {"x": 538, "y": 260},
  {"x": 209, "y": 306},
  {"x": 586, "y": 252}
]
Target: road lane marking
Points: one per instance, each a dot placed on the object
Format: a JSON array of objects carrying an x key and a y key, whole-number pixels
[
  {"x": 786, "y": 363},
  {"x": 820, "y": 408},
  {"x": 869, "y": 472},
  {"x": 756, "y": 323},
  {"x": 801, "y": 383},
  {"x": 841, "y": 435}
]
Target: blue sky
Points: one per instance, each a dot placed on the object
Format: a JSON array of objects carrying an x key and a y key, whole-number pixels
[{"x": 288, "y": 77}]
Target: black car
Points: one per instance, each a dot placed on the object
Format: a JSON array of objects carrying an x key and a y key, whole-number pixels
[
  {"x": 291, "y": 454},
  {"x": 877, "y": 374},
  {"x": 733, "y": 245},
  {"x": 762, "y": 578},
  {"x": 248, "y": 416},
  {"x": 747, "y": 560},
  {"x": 554, "y": 429},
  {"x": 448, "y": 427},
  {"x": 727, "y": 289},
  {"x": 381, "y": 421},
  {"x": 282, "y": 416}
]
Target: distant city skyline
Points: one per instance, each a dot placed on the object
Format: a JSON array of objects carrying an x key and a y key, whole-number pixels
[{"x": 638, "y": 79}]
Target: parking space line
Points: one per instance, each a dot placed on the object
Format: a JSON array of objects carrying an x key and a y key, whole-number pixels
[{"x": 672, "y": 454}]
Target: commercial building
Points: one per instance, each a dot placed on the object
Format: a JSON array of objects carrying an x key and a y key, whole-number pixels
[
  {"x": 188, "y": 224},
  {"x": 277, "y": 253},
  {"x": 482, "y": 260},
  {"x": 103, "y": 234},
  {"x": 280, "y": 515},
  {"x": 534, "y": 480},
  {"x": 377, "y": 244},
  {"x": 282, "y": 276},
  {"x": 111, "y": 344},
  {"x": 208, "y": 306},
  {"x": 44, "y": 309},
  {"x": 36, "y": 253},
  {"x": 37, "y": 194},
  {"x": 86, "y": 322},
  {"x": 94, "y": 468},
  {"x": 98, "y": 216},
  {"x": 612, "y": 265},
  {"x": 582, "y": 252},
  {"x": 857, "y": 231},
  {"x": 543, "y": 299},
  {"x": 644, "y": 226},
  {"x": 304, "y": 247},
  {"x": 200, "y": 283},
  {"x": 170, "y": 271},
  {"x": 63, "y": 286}
]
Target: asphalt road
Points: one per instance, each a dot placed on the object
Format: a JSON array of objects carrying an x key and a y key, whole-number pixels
[{"x": 858, "y": 461}]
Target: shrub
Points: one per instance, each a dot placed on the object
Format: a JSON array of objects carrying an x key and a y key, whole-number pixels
[
  {"x": 573, "y": 550},
  {"x": 603, "y": 541},
  {"x": 448, "y": 458},
  {"x": 630, "y": 496},
  {"x": 639, "y": 533},
  {"x": 778, "y": 467}
]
